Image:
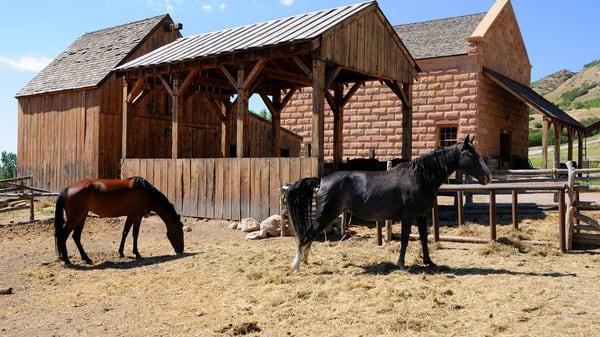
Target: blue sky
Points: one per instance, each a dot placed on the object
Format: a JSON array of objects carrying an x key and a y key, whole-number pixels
[{"x": 558, "y": 34}]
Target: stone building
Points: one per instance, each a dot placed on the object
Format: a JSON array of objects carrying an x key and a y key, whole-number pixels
[{"x": 454, "y": 95}]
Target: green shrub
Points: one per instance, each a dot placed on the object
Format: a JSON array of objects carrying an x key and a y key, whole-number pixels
[
  {"x": 591, "y": 64},
  {"x": 569, "y": 96},
  {"x": 538, "y": 125},
  {"x": 535, "y": 136}
]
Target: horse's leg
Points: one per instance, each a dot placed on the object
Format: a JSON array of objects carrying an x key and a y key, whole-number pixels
[
  {"x": 126, "y": 229},
  {"x": 77, "y": 238},
  {"x": 136, "y": 231},
  {"x": 406, "y": 224},
  {"x": 306, "y": 253},
  {"x": 325, "y": 215},
  {"x": 422, "y": 225}
]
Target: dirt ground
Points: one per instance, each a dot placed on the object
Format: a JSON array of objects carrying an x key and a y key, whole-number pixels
[{"x": 225, "y": 285}]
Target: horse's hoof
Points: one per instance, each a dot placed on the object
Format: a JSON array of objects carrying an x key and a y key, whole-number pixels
[
  {"x": 67, "y": 263},
  {"x": 88, "y": 261},
  {"x": 121, "y": 254},
  {"x": 138, "y": 257},
  {"x": 402, "y": 267},
  {"x": 431, "y": 265}
]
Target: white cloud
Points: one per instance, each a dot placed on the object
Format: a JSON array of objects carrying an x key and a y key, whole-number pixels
[
  {"x": 25, "y": 63},
  {"x": 207, "y": 7},
  {"x": 222, "y": 6},
  {"x": 164, "y": 5},
  {"x": 286, "y": 2}
]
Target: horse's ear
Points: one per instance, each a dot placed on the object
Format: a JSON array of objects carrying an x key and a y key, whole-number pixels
[{"x": 466, "y": 140}]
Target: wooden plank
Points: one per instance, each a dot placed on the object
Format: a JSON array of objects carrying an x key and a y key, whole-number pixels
[
  {"x": 219, "y": 188},
  {"x": 235, "y": 189},
  {"x": 264, "y": 187},
  {"x": 209, "y": 174},
  {"x": 284, "y": 171},
  {"x": 306, "y": 167},
  {"x": 187, "y": 188},
  {"x": 179, "y": 183},
  {"x": 294, "y": 169},
  {"x": 194, "y": 187},
  {"x": 274, "y": 185},
  {"x": 202, "y": 176},
  {"x": 227, "y": 188},
  {"x": 245, "y": 180},
  {"x": 255, "y": 211}
]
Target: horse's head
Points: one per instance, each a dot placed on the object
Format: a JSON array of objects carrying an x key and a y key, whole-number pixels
[
  {"x": 174, "y": 225},
  {"x": 470, "y": 162}
]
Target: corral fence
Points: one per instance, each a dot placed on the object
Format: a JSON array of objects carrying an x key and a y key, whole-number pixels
[{"x": 19, "y": 194}]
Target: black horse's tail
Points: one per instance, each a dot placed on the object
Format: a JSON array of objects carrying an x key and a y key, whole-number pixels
[
  {"x": 299, "y": 201},
  {"x": 59, "y": 221}
]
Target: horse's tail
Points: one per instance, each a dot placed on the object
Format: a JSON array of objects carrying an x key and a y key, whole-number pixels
[
  {"x": 59, "y": 220},
  {"x": 299, "y": 200}
]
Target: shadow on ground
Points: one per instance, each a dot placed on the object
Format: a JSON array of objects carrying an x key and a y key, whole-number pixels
[{"x": 130, "y": 264}]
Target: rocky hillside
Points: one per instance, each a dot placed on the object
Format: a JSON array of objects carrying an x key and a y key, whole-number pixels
[
  {"x": 572, "y": 91},
  {"x": 549, "y": 83}
]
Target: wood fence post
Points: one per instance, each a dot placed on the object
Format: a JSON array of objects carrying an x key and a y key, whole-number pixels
[{"x": 492, "y": 215}]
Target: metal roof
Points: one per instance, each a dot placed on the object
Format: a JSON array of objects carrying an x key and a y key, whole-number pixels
[
  {"x": 441, "y": 37},
  {"x": 91, "y": 58},
  {"x": 296, "y": 28},
  {"x": 532, "y": 98}
]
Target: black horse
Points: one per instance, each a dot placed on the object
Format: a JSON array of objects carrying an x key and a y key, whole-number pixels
[{"x": 404, "y": 193}]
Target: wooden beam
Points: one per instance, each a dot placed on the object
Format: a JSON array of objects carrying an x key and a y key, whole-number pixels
[
  {"x": 338, "y": 125},
  {"x": 570, "y": 133},
  {"x": 407, "y": 122},
  {"x": 545, "y": 128},
  {"x": 351, "y": 92},
  {"x": 276, "y": 124},
  {"x": 557, "y": 133},
  {"x": 580, "y": 149},
  {"x": 124, "y": 122},
  {"x": 166, "y": 85},
  {"x": 302, "y": 66},
  {"x": 332, "y": 76},
  {"x": 235, "y": 84},
  {"x": 288, "y": 97},
  {"x": 396, "y": 89},
  {"x": 241, "y": 117},
  {"x": 175, "y": 120},
  {"x": 258, "y": 67},
  {"x": 287, "y": 77},
  {"x": 216, "y": 106},
  {"x": 318, "y": 116},
  {"x": 188, "y": 80},
  {"x": 330, "y": 100}
]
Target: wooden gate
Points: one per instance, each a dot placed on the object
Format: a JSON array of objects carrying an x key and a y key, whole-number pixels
[{"x": 222, "y": 188}]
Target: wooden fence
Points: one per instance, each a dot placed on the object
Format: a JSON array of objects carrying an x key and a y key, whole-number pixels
[{"x": 222, "y": 188}]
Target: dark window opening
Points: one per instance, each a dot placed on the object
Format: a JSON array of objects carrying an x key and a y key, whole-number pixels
[{"x": 448, "y": 136}]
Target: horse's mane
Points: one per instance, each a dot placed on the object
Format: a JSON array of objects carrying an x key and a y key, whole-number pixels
[
  {"x": 433, "y": 165},
  {"x": 154, "y": 192}
]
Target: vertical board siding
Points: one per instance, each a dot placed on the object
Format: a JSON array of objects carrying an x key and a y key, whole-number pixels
[{"x": 222, "y": 188}]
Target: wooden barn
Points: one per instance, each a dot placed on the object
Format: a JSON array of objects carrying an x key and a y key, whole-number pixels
[
  {"x": 331, "y": 51},
  {"x": 474, "y": 79},
  {"x": 70, "y": 113}
]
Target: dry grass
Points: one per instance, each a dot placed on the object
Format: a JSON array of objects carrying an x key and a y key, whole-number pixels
[{"x": 228, "y": 286}]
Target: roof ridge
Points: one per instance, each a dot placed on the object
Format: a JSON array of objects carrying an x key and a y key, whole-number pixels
[
  {"x": 125, "y": 24},
  {"x": 440, "y": 19},
  {"x": 279, "y": 19}
]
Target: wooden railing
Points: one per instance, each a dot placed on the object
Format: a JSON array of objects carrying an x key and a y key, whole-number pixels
[{"x": 19, "y": 194}]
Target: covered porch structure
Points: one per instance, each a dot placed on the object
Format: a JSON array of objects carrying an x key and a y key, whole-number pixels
[
  {"x": 552, "y": 115},
  {"x": 331, "y": 51}
]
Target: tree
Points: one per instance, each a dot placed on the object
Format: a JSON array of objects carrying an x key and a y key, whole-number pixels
[{"x": 8, "y": 165}]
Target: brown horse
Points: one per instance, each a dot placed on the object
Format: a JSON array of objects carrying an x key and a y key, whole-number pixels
[{"x": 133, "y": 197}]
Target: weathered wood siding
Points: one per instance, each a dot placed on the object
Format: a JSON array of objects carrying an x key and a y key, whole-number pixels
[
  {"x": 366, "y": 43},
  {"x": 57, "y": 137},
  {"x": 222, "y": 188}
]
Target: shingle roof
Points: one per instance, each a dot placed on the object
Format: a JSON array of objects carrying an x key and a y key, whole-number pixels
[
  {"x": 532, "y": 98},
  {"x": 87, "y": 61},
  {"x": 437, "y": 38},
  {"x": 296, "y": 28}
]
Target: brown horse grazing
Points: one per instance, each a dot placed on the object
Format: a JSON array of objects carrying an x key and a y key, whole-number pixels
[{"x": 133, "y": 197}]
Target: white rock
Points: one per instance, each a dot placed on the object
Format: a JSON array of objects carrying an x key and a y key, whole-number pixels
[
  {"x": 249, "y": 225},
  {"x": 187, "y": 228},
  {"x": 256, "y": 235},
  {"x": 272, "y": 225},
  {"x": 233, "y": 225}
]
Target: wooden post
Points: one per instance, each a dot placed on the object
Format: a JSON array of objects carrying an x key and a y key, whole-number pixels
[
  {"x": 561, "y": 221},
  {"x": 515, "y": 214},
  {"x": 545, "y": 128},
  {"x": 492, "y": 215},
  {"x": 276, "y": 124},
  {"x": 435, "y": 219},
  {"x": 318, "y": 113},
  {"x": 31, "y": 206},
  {"x": 571, "y": 206},
  {"x": 570, "y": 144},
  {"x": 338, "y": 125},
  {"x": 407, "y": 122},
  {"x": 224, "y": 131},
  {"x": 579, "y": 149},
  {"x": 124, "y": 120},
  {"x": 242, "y": 111},
  {"x": 175, "y": 120},
  {"x": 557, "y": 132},
  {"x": 459, "y": 208}
]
